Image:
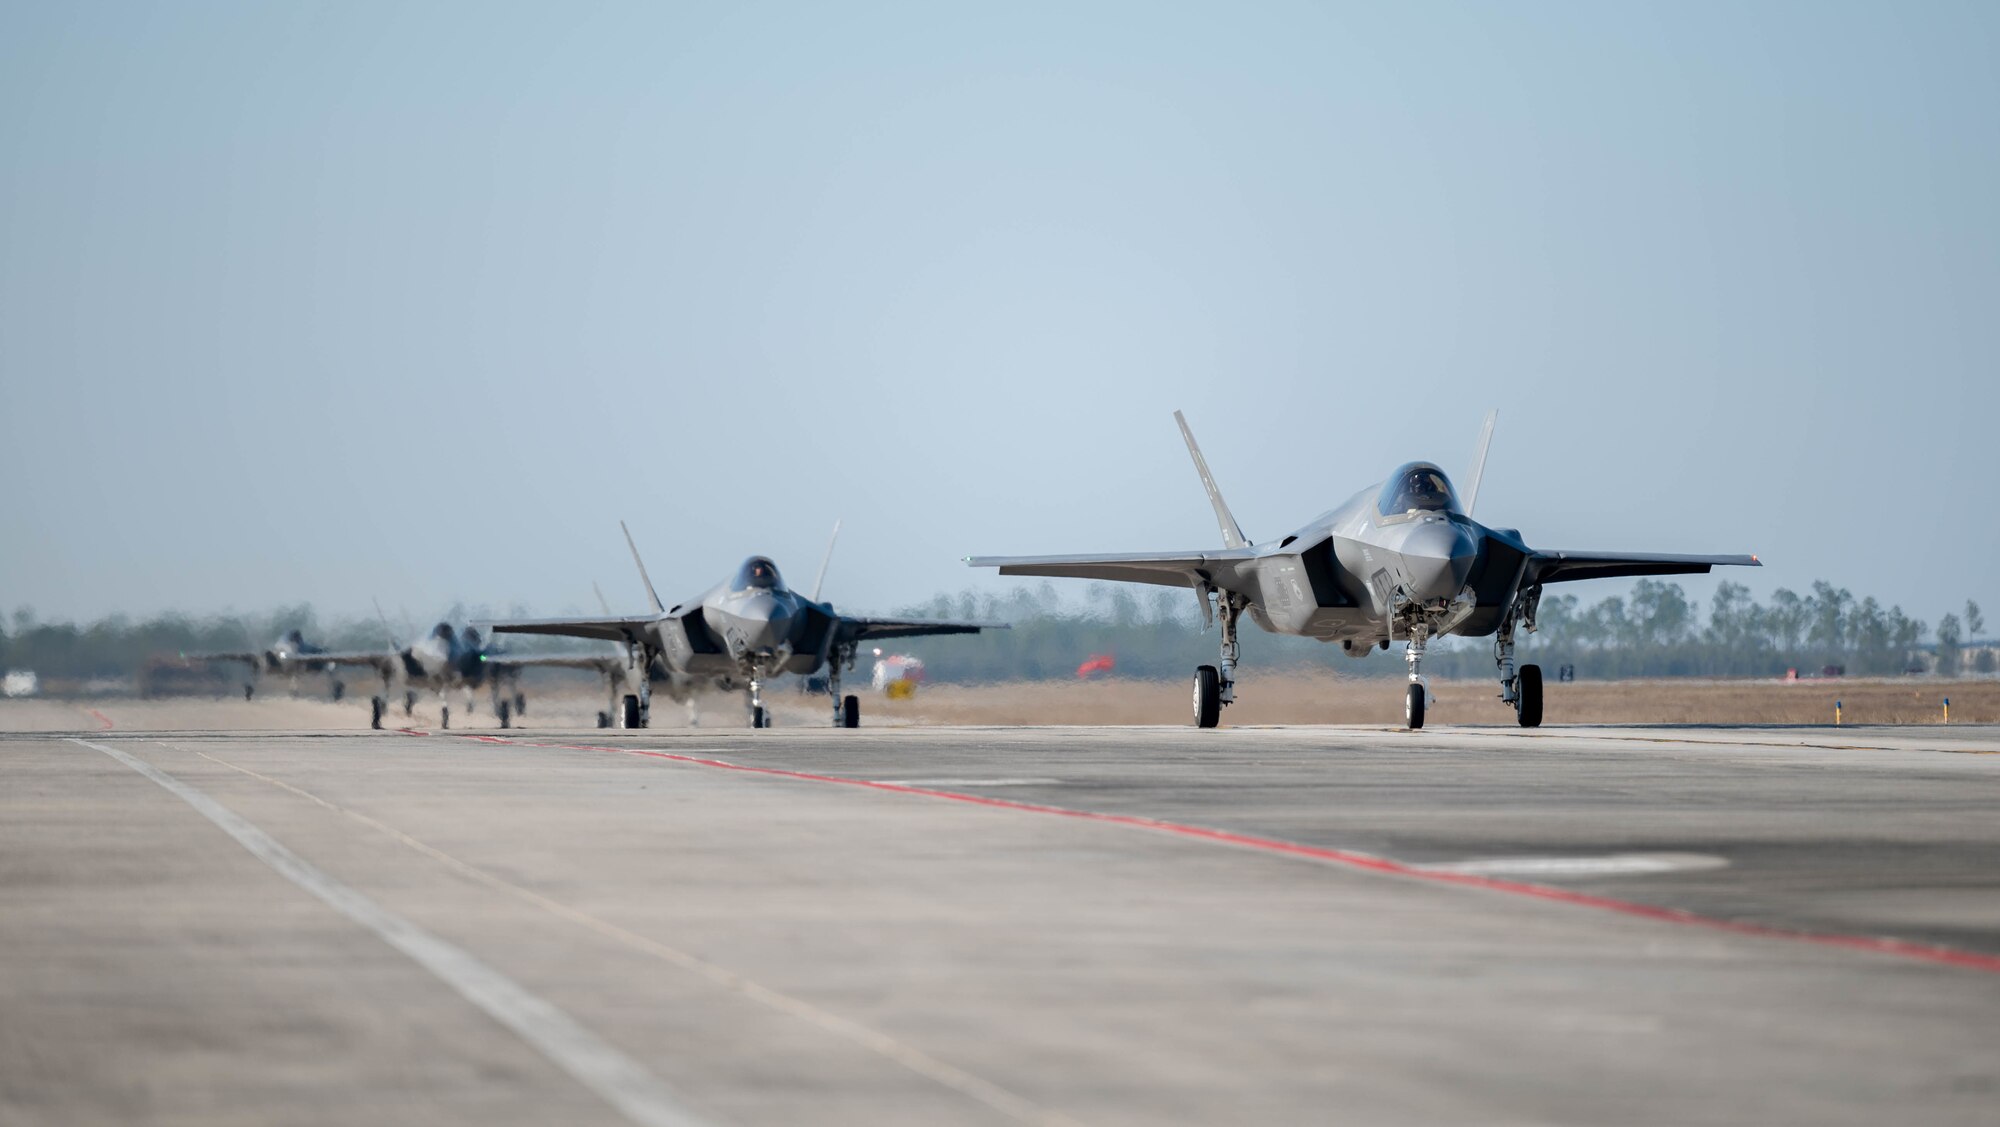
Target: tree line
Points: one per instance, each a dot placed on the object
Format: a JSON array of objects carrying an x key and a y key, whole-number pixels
[{"x": 1654, "y": 631}]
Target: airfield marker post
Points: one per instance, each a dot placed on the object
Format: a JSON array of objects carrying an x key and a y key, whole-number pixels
[
  {"x": 1836, "y": 714},
  {"x": 1947, "y": 710}
]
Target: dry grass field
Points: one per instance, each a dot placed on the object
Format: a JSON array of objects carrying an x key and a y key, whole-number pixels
[
  {"x": 1326, "y": 699},
  {"x": 1268, "y": 698}
]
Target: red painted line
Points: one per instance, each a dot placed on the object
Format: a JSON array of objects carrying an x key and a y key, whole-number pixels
[
  {"x": 104, "y": 723},
  {"x": 1365, "y": 862}
]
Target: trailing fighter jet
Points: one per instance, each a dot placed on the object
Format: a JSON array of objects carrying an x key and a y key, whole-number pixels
[
  {"x": 1403, "y": 559},
  {"x": 447, "y": 659},
  {"x": 289, "y": 656},
  {"x": 738, "y": 635}
]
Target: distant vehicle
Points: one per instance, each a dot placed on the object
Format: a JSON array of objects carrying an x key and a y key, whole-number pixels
[
  {"x": 1095, "y": 664},
  {"x": 897, "y": 675},
  {"x": 20, "y": 683},
  {"x": 739, "y": 634},
  {"x": 1402, "y": 559}
]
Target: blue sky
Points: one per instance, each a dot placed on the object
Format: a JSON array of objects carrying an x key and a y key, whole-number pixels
[{"x": 330, "y": 303}]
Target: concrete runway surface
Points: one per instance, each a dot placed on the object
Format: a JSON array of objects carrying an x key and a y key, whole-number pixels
[{"x": 1581, "y": 925}]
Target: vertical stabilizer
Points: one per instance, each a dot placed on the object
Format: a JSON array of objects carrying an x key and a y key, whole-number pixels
[
  {"x": 1479, "y": 461},
  {"x": 658, "y": 606},
  {"x": 825, "y": 560},
  {"x": 1232, "y": 533}
]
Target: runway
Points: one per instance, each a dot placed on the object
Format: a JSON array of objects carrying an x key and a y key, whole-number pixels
[{"x": 925, "y": 925}]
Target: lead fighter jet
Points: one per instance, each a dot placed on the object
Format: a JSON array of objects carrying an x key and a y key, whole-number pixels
[
  {"x": 737, "y": 635},
  {"x": 1403, "y": 559}
]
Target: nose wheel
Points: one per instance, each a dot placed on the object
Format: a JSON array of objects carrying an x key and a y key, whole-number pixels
[{"x": 1417, "y": 697}]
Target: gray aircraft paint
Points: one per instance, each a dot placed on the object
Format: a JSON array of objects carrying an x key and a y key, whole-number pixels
[
  {"x": 1365, "y": 572},
  {"x": 738, "y": 634}
]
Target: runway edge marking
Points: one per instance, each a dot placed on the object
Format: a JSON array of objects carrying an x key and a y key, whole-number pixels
[
  {"x": 1365, "y": 862},
  {"x": 617, "y": 1079},
  {"x": 946, "y": 1075}
]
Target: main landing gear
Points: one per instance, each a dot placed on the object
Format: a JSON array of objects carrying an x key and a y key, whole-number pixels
[
  {"x": 1215, "y": 686},
  {"x": 1521, "y": 687},
  {"x": 846, "y": 709}
]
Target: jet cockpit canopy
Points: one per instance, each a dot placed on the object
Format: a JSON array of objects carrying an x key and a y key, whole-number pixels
[
  {"x": 1417, "y": 487},
  {"x": 757, "y": 574}
]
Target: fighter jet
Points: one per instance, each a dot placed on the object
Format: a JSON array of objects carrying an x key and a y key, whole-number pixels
[
  {"x": 737, "y": 635},
  {"x": 289, "y": 656},
  {"x": 1399, "y": 560},
  {"x": 447, "y": 660}
]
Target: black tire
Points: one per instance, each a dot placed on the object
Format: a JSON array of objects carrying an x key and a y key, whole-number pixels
[
  {"x": 506, "y": 711},
  {"x": 760, "y": 717},
  {"x": 1528, "y": 696},
  {"x": 1207, "y": 697},
  {"x": 376, "y": 708},
  {"x": 631, "y": 710},
  {"x": 339, "y": 691},
  {"x": 850, "y": 711},
  {"x": 604, "y": 719},
  {"x": 1413, "y": 706},
  {"x": 444, "y": 716}
]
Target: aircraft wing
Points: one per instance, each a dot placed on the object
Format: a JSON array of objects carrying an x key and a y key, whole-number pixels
[
  {"x": 853, "y": 629},
  {"x": 601, "y": 663},
  {"x": 1167, "y": 569},
  {"x": 1561, "y": 567},
  {"x": 379, "y": 659},
  {"x": 246, "y": 658},
  {"x": 630, "y": 629}
]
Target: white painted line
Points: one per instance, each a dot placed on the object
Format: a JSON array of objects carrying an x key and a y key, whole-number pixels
[
  {"x": 618, "y": 1079},
  {"x": 1616, "y": 864},
  {"x": 970, "y": 782}
]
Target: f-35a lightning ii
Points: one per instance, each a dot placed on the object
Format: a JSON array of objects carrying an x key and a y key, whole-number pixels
[
  {"x": 737, "y": 635},
  {"x": 289, "y": 656},
  {"x": 1403, "y": 559},
  {"x": 447, "y": 659}
]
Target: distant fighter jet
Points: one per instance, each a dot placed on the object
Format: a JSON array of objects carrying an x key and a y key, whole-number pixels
[
  {"x": 1403, "y": 559},
  {"x": 289, "y": 656},
  {"x": 738, "y": 635},
  {"x": 447, "y": 659}
]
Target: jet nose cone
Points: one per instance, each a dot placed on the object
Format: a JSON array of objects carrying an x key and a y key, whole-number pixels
[
  {"x": 767, "y": 621},
  {"x": 1438, "y": 559}
]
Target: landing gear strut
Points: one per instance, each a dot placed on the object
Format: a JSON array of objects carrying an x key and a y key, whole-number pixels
[
  {"x": 1215, "y": 686},
  {"x": 846, "y": 709},
  {"x": 1521, "y": 687},
  {"x": 760, "y": 717},
  {"x": 1417, "y": 697}
]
